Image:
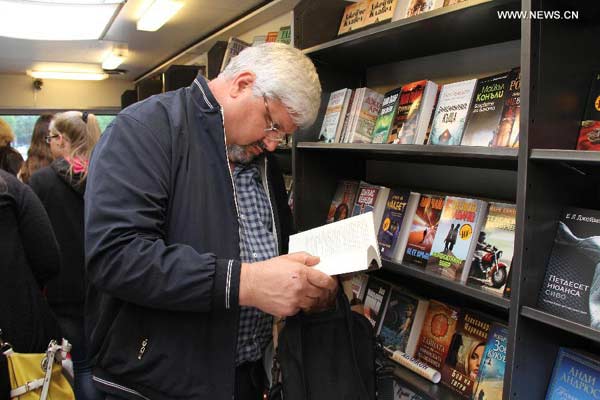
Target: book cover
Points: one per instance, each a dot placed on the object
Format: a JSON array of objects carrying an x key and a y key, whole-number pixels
[
  {"x": 494, "y": 250},
  {"x": 284, "y": 35},
  {"x": 423, "y": 228},
  {"x": 402, "y": 321},
  {"x": 271, "y": 36},
  {"x": 451, "y": 112},
  {"x": 371, "y": 198},
  {"x": 414, "y": 127},
  {"x": 489, "y": 385},
  {"x": 571, "y": 287},
  {"x": 391, "y": 223},
  {"x": 376, "y": 297},
  {"x": 334, "y": 115},
  {"x": 354, "y": 17},
  {"x": 436, "y": 334},
  {"x": 343, "y": 199},
  {"x": 404, "y": 127},
  {"x": 234, "y": 47},
  {"x": 589, "y": 132},
  {"x": 486, "y": 110},
  {"x": 379, "y": 11},
  {"x": 386, "y": 115},
  {"x": 259, "y": 39},
  {"x": 465, "y": 353},
  {"x": 354, "y": 286},
  {"x": 365, "y": 116},
  {"x": 455, "y": 238},
  {"x": 575, "y": 376},
  {"x": 416, "y": 7},
  {"x": 508, "y": 130}
]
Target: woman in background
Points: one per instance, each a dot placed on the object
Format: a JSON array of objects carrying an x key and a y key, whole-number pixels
[
  {"x": 10, "y": 159},
  {"x": 61, "y": 186},
  {"x": 38, "y": 155},
  {"x": 30, "y": 257}
]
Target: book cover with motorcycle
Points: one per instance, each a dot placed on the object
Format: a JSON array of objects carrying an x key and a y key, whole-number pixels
[
  {"x": 455, "y": 237},
  {"x": 494, "y": 250}
]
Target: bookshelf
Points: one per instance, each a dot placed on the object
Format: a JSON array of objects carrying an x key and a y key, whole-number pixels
[{"x": 544, "y": 175}]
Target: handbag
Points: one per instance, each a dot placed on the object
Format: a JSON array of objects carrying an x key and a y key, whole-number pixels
[
  {"x": 36, "y": 376},
  {"x": 325, "y": 356}
]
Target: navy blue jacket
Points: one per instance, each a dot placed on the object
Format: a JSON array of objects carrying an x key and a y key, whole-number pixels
[{"x": 162, "y": 250}]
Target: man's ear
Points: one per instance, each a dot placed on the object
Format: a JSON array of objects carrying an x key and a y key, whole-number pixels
[{"x": 241, "y": 82}]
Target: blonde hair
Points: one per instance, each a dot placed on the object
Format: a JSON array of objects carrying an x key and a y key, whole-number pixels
[
  {"x": 83, "y": 135},
  {"x": 6, "y": 133}
]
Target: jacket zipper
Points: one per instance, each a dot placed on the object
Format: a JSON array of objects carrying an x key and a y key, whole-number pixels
[{"x": 120, "y": 387}]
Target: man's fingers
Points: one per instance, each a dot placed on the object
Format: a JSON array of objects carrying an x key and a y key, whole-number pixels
[
  {"x": 304, "y": 258},
  {"x": 321, "y": 279}
]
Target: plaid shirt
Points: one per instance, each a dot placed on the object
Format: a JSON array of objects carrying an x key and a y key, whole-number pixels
[{"x": 257, "y": 243}]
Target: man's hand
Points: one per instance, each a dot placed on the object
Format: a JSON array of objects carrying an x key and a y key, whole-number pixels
[{"x": 284, "y": 285}]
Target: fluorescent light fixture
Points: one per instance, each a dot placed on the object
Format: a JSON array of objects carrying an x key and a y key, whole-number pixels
[
  {"x": 56, "y": 20},
  {"x": 68, "y": 75},
  {"x": 116, "y": 56},
  {"x": 157, "y": 14}
]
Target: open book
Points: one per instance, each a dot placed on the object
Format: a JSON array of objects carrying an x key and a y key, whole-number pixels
[{"x": 344, "y": 246}]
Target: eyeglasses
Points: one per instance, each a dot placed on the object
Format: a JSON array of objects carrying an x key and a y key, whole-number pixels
[
  {"x": 50, "y": 137},
  {"x": 273, "y": 130}
]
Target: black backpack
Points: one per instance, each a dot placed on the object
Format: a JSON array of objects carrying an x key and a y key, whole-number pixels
[{"x": 325, "y": 356}]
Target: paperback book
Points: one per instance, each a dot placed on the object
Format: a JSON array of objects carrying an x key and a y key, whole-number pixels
[
  {"x": 334, "y": 116},
  {"x": 384, "y": 121},
  {"x": 490, "y": 382},
  {"x": 371, "y": 198},
  {"x": 423, "y": 228},
  {"x": 437, "y": 333},
  {"x": 571, "y": 286},
  {"x": 413, "y": 113},
  {"x": 376, "y": 296},
  {"x": 343, "y": 200},
  {"x": 575, "y": 376},
  {"x": 508, "y": 131}
]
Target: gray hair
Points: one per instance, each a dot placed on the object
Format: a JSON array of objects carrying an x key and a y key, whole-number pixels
[{"x": 282, "y": 73}]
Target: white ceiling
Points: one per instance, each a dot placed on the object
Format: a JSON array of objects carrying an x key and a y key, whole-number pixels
[{"x": 147, "y": 50}]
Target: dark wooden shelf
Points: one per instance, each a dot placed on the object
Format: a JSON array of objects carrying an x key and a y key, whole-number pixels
[
  {"x": 574, "y": 157},
  {"x": 465, "y": 25},
  {"x": 424, "y": 387},
  {"x": 561, "y": 323},
  {"x": 472, "y": 156},
  {"x": 467, "y": 291}
]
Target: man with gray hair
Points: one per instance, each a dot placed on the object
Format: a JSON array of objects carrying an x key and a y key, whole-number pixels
[{"x": 185, "y": 220}]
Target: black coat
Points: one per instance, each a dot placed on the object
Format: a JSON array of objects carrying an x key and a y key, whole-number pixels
[
  {"x": 162, "y": 250},
  {"x": 61, "y": 194},
  {"x": 29, "y": 257}
]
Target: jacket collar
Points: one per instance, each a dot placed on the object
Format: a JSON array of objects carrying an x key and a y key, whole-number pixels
[{"x": 202, "y": 95}]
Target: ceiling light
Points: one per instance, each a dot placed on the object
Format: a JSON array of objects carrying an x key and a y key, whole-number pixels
[
  {"x": 116, "y": 56},
  {"x": 157, "y": 14},
  {"x": 54, "y": 20},
  {"x": 68, "y": 75}
]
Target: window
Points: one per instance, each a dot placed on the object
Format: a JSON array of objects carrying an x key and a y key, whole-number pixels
[{"x": 22, "y": 126}]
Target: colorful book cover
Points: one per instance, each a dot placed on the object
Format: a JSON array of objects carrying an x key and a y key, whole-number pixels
[
  {"x": 423, "y": 228},
  {"x": 334, "y": 115},
  {"x": 417, "y": 7},
  {"x": 371, "y": 198},
  {"x": 376, "y": 296},
  {"x": 386, "y": 116},
  {"x": 284, "y": 35},
  {"x": 437, "y": 333},
  {"x": 451, "y": 113},
  {"x": 571, "y": 287},
  {"x": 490, "y": 382},
  {"x": 589, "y": 133},
  {"x": 494, "y": 250},
  {"x": 507, "y": 134},
  {"x": 575, "y": 376},
  {"x": 462, "y": 364},
  {"x": 405, "y": 122},
  {"x": 343, "y": 199},
  {"x": 272, "y": 36},
  {"x": 455, "y": 238},
  {"x": 402, "y": 321},
  {"x": 354, "y": 17},
  {"x": 486, "y": 111},
  {"x": 391, "y": 224},
  {"x": 366, "y": 116}
]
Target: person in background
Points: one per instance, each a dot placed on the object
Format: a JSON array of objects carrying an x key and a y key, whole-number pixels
[
  {"x": 10, "y": 159},
  {"x": 61, "y": 186},
  {"x": 38, "y": 155},
  {"x": 185, "y": 220},
  {"x": 30, "y": 257}
]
